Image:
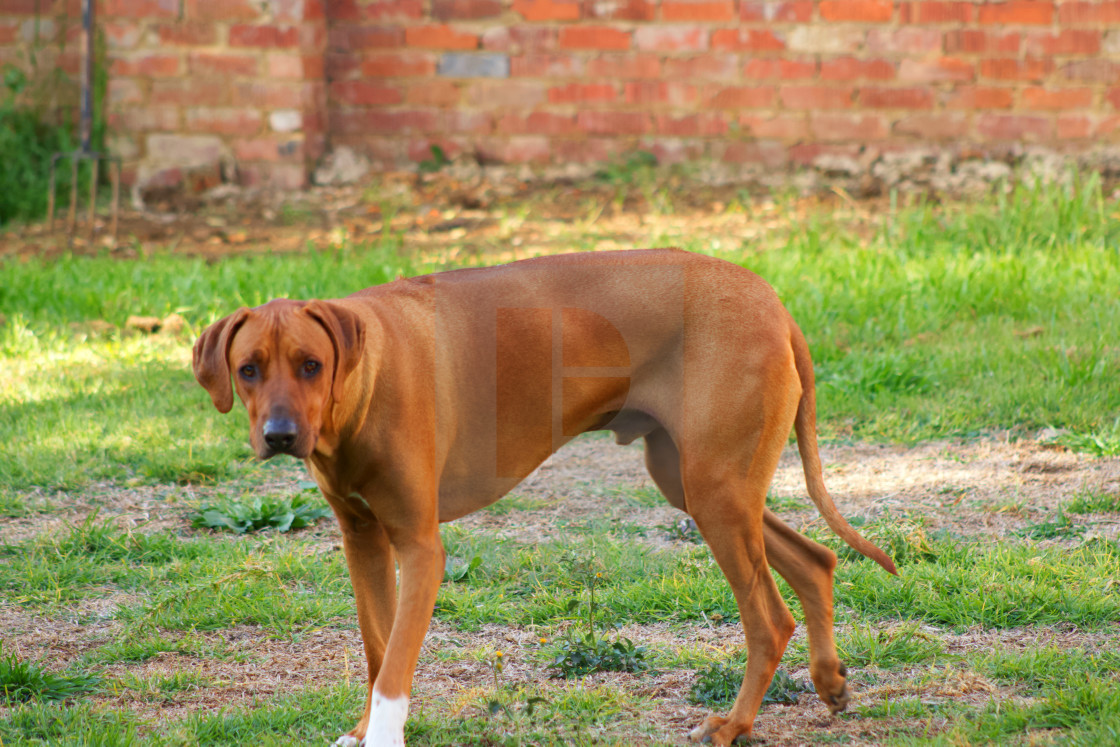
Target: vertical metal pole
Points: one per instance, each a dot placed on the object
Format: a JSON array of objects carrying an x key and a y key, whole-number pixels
[{"x": 87, "y": 73}]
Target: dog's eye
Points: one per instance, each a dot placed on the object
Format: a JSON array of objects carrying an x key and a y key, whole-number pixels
[
  {"x": 310, "y": 368},
  {"x": 248, "y": 372}
]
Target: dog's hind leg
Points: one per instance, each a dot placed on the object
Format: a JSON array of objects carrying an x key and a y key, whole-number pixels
[{"x": 808, "y": 566}]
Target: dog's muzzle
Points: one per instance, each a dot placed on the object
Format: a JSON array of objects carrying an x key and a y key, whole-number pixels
[{"x": 280, "y": 434}]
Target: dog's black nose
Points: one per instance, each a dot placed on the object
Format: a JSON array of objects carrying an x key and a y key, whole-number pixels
[{"x": 280, "y": 433}]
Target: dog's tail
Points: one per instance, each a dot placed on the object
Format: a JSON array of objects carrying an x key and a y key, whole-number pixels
[{"x": 805, "y": 426}]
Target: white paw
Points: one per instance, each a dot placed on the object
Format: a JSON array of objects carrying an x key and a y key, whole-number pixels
[
  {"x": 346, "y": 741},
  {"x": 386, "y": 721}
]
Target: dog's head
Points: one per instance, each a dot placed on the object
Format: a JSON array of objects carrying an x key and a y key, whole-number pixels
[{"x": 289, "y": 362}]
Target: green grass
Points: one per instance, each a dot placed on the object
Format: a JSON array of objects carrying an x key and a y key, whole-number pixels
[{"x": 952, "y": 320}]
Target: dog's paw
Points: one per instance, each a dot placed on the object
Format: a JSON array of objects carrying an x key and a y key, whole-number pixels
[{"x": 346, "y": 741}]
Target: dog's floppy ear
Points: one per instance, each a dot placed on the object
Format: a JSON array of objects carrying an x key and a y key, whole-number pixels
[
  {"x": 348, "y": 335},
  {"x": 211, "y": 358}
]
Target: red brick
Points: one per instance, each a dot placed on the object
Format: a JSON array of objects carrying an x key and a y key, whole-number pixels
[
  {"x": 671, "y": 38},
  {"x": 593, "y": 37},
  {"x": 449, "y": 10},
  {"x": 23, "y": 7},
  {"x": 783, "y": 126},
  {"x": 896, "y": 98},
  {"x": 269, "y": 95},
  {"x": 660, "y": 92},
  {"x": 547, "y": 10},
  {"x": 148, "y": 65},
  {"x": 146, "y": 118},
  {"x": 975, "y": 41},
  {"x": 220, "y": 63},
  {"x": 124, "y": 91},
  {"x": 716, "y": 66},
  {"x": 220, "y": 10},
  {"x": 187, "y": 34},
  {"x": 1074, "y": 126},
  {"x": 224, "y": 121},
  {"x": 767, "y": 153},
  {"x": 582, "y": 92},
  {"x": 937, "y": 12},
  {"x": 263, "y": 36},
  {"x": 1021, "y": 12},
  {"x": 533, "y": 39},
  {"x": 388, "y": 10},
  {"x": 346, "y": 38},
  {"x": 850, "y": 68},
  {"x": 1063, "y": 98},
  {"x": 1089, "y": 13},
  {"x": 691, "y": 125},
  {"x": 340, "y": 66},
  {"x": 613, "y": 123},
  {"x": 118, "y": 35},
  {"x": 980, "y": 97},
  {"x": 1014, "y": 127},
  {"x": 1095, "y": 70},
  {"x": 838, "y": 126},
  {"x": 874, "y": 11},
  {"x": 697, "y": 10},
  {"x": 933, "y": 126},
  {"x": 398, "y": 65},
  {"x": 1114, "y": 97},
  {"x": 193, "y": 91},
  {"x": 908, "y": 40},
  {"x": 934, "y": 71},
  {"x": 468, "y": 122},
  {"x": 269, "y": 148},
  {"x": 769, "y": 67},
  {"x": 798, "y": 11},
  {"x": 440, "y": 37},
  {"x": 141, "y": 8},
  {"x": 364, "y": 93},
  {"x": 402, "y": 122},
  {"x": 538, "y": 123},
  {"x": 1066, "y": 42},
  {"x": 816, "y": 97},
  {"x": 624, "y": 66},
  {"x": 620, "y": 10},
  {"x": 510, "y": 94},
  {"x": 740, "y": 97},
  {"x": 288, "y": 66},
  {"x": 1030, "y": 68},
  {"x": 747, "y": 40},
  {"x": 546, "y": 66}
]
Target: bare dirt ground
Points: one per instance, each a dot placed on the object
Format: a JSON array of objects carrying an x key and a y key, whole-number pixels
[
  {"x": 454, "y": 213},
  {"x": 989, "y": 487}
]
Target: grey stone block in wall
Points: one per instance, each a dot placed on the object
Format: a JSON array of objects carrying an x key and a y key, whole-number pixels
[{"x": 466, "y": 65}]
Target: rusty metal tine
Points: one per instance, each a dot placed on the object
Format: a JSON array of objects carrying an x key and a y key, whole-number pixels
[
  {"x": 72, "y": 218},
  {"x": 95, "y": 163},
  {"x": 116, "y": 197},
  {"x": 50, "y": 194}
]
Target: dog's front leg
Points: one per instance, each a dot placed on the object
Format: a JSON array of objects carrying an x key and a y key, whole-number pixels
[
  {"x": 421, "y": 559},
  {"x": 369, "y": 556}
]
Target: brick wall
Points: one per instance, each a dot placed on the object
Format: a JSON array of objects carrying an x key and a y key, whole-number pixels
[
  {"x": 268, "y": 82},
  {"x": 202, "y": 90},
  {"x": 772, "y": 83}
]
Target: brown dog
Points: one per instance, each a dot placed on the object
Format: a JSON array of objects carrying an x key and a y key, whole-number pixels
[{"x": 422, "y": 400}]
